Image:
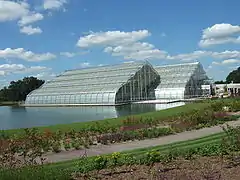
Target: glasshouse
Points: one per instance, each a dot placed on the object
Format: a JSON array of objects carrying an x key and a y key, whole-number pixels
[
  {"x": 106, "y": 85},
  {"x": 180, "y": 81}
]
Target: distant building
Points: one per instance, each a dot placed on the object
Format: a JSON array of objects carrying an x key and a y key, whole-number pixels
[{"x": 233, "y": 89}]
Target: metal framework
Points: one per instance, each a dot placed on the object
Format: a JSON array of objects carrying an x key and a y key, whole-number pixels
[
  {"x": 106, "y": 85},
  {"x": 180, "y": 81}
]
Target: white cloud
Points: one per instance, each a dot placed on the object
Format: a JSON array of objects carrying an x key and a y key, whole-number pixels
[
  {"x": 10, "y": 10},
  {"x": 73, "y": 54},
  {"x": 227, "y": 62},
  {"x": 68, "y": 54},
  {"x": 126, "y": 49},
  {"x": 20, "y": 53},
  {"x": 196, "y": 55},
  {"x": 146, "y": 54},
  {"x": 29, "y": 30},
  {"x": 190, "y": 56},
  {"x": 2, "y": 73},
  {"x": 226, "y": 54},
  {"x": 112, "y": 38},
  {"x": 30, "y": 18},
  {"x": 21, "y": 69},
  {"x": 20, "y": 10},
  {"x": 85, "y": 65},
  {"x": 137, "y": 51},
  {"x": 45, "y": 75},
  {"x": 126, "y": 44},
  {"x": 128, "y": 62},
  {"x": 216, "y": 63},
  {"x": 54, "y": 4},
  {"x": 220, "y": 34},
  {"x": 231, "y": 61},
  {"x": 220, "y": 30}
]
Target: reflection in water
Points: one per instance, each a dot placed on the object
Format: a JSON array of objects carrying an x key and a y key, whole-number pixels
[
  {"x": 22, "y": 117},
  {"x": 17, "y": 108}
]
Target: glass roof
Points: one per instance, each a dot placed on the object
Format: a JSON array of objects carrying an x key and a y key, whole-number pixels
[
  {"x": 178, "y": 75},
  {"x": 91, "y": 80}
]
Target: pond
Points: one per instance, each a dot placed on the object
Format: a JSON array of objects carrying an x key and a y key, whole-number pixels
[{"x": 24, "y": 117}]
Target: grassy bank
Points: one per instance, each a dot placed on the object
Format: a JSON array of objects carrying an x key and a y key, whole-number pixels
[{"x": 117, "y": 122}]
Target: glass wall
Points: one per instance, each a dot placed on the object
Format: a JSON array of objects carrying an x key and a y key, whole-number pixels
[{"x": 140, "y": 86}]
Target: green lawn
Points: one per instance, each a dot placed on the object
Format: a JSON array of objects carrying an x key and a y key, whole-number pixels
[{"x": 117, "y": 122}]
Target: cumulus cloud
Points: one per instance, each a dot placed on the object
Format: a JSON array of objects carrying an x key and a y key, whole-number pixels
[
  {"x": 11, "y": 10},
  {"x": 7, "y": 69},
  {"x": 20, "y": 53},
  {"x": 190, "y": 56},
  {"x": 2, "y": 73},
  {"x": 226, "y": 55},
  {"x": 53, "y": 4},
  {"x": 20, "y": 10},
  {"x": 68, "y": 54},
  {"x": 220, "y": 34},
  {"x": 227, "y": 62},
  {"x": 85, "y": 65},
  {"x": 30, "y": 18},
  {"x": 196, "y": 55},
  {"x": 112, "y": 38},
  {"x": 73, "y": 54},
  {"x": 120, "y": 43},
  {"x": 137, "y": 51},
  {"x": 29, "y": 30},
  {"x": 46, "y": 75}
]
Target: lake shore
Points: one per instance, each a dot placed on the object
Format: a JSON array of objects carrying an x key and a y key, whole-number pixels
[
  {"x": 114, "y": 122},
  {"x": 9, "y": 103}
]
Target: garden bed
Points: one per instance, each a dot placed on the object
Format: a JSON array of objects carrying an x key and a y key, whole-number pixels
[{"x": 201, "y": 168}]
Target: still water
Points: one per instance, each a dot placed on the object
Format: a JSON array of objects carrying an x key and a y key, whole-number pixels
[{"x": 23, "y": 117}]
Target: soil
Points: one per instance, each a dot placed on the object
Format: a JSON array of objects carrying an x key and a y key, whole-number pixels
[{"x": 201, "y": 168}]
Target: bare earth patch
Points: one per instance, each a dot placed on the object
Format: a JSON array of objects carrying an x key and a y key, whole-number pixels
[{"x": 202, "y": 168}]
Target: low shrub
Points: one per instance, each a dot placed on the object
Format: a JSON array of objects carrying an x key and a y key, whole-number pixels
[{"x": 133, "y": 135}]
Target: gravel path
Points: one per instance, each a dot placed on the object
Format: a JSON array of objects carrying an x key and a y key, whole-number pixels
[{"x": 105, "y": 149}]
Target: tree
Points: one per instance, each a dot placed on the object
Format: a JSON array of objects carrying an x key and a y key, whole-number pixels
[
  {"x": 234, "y": 76},
  {"x": 18, "y": 90},
  {"x": 220, "y": 82}
]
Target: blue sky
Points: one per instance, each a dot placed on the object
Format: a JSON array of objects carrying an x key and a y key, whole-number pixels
[{"x": 45, "y": 37}]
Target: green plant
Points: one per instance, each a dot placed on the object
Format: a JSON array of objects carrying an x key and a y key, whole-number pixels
[
  {"x": 56, "y": 146},
  {"x": 67, "y": 144},
  {"x": 76, "y": 143},
  {"x": 152, "y": 157},
  {"x": 100, "y": 162},
  {"x": 114, "y": 158}
]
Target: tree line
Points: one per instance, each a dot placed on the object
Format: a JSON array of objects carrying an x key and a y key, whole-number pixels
[
  {"x": 233, "y": 76},
  {"x": 18, "y": 90}
]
